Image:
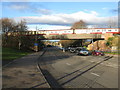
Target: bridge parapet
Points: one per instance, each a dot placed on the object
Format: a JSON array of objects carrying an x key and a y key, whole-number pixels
[
  {"x": 73, "y": 36},
  {"x": 24, "y": 33}
]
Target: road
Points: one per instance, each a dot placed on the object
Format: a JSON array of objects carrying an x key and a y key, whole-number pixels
[
  {"x": 62, "y": 70},
  {"x": 72, "y": 71}
]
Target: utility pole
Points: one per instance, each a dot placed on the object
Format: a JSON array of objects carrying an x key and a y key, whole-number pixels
[
  {"x": 92, "y": 44},
  {"x": 20, "y": 42},
  {"x": 36, "y": 41}
]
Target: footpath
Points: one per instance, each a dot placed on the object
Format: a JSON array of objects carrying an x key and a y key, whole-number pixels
[{"x": 23, "y": 73}]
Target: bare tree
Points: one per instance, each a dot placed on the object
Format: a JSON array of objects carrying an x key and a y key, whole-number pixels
[
  {"x": 7, "y": 25},
  {"x": 21, "y": 26},
  {"x": 79, "y": 25}
]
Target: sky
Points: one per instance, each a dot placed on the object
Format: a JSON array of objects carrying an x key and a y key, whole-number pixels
[{"x": 60, "y": 15}]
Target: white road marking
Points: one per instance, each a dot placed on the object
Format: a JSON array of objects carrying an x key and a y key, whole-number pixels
[
  {"x": 95, "y": 74},
  {"x": 113, "y": 66},
  {"x": 110, "y": 65},
  {"x": 68, "y": 64},
  {"x": 92, "y": 61}
]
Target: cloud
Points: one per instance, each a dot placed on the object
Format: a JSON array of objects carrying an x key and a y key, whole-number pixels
[
  {"x": 104, "y": 8},
  {"x": 43, "y": 11},
  {"x": 94, "y": 13},
  {"x": 90, "y": 18},
  {"x": 114, "y": 10},
  {"x": 28, "y": 7},
  {"x": 19, "y": 7},
  {"x": 16, "y": 6},
  {"x": 46, "y": 27}
]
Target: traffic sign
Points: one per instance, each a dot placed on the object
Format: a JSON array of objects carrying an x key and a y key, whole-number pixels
[{"x": 35, "y": 44}]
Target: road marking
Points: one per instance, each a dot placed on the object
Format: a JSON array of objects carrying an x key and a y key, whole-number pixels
[
  {"x": 110, "y": 65},
  {"x": 113, "y": 66},
  {"x": 95, "y": 74},
  {"x": 68, "y": 64}
]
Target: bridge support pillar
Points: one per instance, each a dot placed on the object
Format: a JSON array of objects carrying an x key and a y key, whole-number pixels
[{"x": 36, "y": 48}]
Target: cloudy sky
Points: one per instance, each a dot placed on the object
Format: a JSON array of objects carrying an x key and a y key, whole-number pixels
[{"x": 60, "y": 15}]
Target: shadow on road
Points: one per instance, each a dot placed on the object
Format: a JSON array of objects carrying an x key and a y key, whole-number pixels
[
  {"x": 84, "y": 71},
  {"x": 52, "y": 54},
  {"x": 50, "y": 79},
  {"x": 54, "y": 83}
]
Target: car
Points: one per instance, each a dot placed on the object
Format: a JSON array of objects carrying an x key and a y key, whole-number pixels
[
  {"x": 72, "y": 49},
  {"x": 82, "y": 51},
  {"x": 97, "y": 53},
  {"x": 65, "y": 49}
]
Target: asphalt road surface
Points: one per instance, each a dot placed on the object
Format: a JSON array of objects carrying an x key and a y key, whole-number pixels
[
  {"x": 61, "y": 70},
  {"x": 68, "y": 70}
]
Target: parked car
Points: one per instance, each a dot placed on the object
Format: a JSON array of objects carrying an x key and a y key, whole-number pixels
[
  {"x": 82, "y": 51},
  {"x": 98, "y": 53},
  {"x": 72, "y": 50},
  {"x": 65, "y": 49},
  {"x": 49, "y": 45}
]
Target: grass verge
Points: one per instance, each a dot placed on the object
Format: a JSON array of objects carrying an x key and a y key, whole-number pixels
[
  {"x": 9, "y": 54},
  {"x": 114, "y": 53}
]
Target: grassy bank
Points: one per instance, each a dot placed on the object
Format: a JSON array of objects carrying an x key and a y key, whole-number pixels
[{"x": 11, "y": 54}]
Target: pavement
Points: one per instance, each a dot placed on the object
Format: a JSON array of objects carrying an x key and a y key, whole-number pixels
[{"x": 24, "y": 73}]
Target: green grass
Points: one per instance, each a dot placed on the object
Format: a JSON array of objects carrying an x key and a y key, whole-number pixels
[
  {"x": 11, "y": 54},
  {"x": 115, "y": 53}
]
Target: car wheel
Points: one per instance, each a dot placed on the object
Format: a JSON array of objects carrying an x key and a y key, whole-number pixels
[{"x": 99, "y": 55}]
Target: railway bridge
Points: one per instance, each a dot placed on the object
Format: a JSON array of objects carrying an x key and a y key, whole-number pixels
[
  {"x": 44, "y": 36},
  {"x": 65, "y": 35}
]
